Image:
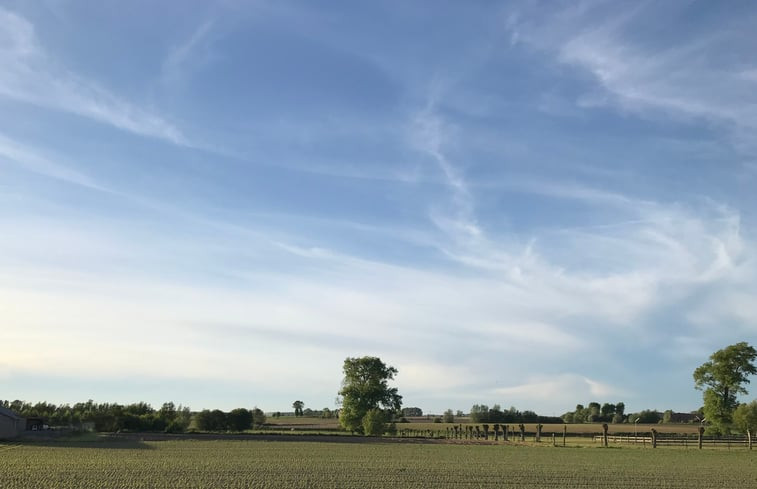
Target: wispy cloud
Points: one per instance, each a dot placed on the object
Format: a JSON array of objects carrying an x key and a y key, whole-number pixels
[
  {"x": 686, "y": 77},
  {"x": 433, "y": 222},
  {"x": 188, "y": 56},
  {"x": 287, "y": 300},
  {"x": 32, "y": 76},
  {"x": 430, "y": 134},
  {"x": 19, "y": 154}
]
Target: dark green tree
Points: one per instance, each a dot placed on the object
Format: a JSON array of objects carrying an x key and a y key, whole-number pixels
[
  {"x": 167, "y": 412},
  {"x": 722, "y": 378},
  {"x": 298, "y": 405},
  {"x": 258, "y": 417},
  {"x": 239, "y": 419},
  {"x": 208, "y": 420},
  {"x": 365, "y": 387},
  {"x": 647, "y": 416},
  {"x": 607, "y": 411}
]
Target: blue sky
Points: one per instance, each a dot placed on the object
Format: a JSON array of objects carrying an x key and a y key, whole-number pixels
[{"x": 523, "y": 203}]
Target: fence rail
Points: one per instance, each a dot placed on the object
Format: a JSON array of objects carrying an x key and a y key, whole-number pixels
[{"x": 681, "y": 441}]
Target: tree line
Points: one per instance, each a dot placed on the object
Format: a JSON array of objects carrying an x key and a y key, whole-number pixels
[
  {"x": 113, "y": 417},
  {"x": 370, "y": 406},
  {"x": 481, "y": 413}
]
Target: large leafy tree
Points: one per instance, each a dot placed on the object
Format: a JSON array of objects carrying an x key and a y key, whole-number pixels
[
  {"x": 722, "y": 378},
  {"x": 365, "y": 389}
]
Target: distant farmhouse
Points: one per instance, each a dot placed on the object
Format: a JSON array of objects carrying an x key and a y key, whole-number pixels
[
  {"x": 11, "y": 424},
  {"x": 683, "y": 418}
]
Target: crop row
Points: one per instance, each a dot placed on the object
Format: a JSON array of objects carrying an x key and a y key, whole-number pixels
[{"x": 196, "y": 464}]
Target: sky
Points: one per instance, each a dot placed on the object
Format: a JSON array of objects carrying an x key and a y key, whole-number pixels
[{"x": 518, "y": 203}]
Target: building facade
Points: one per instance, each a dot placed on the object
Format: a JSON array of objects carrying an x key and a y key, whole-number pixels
[{"x": 11, "y": 424}]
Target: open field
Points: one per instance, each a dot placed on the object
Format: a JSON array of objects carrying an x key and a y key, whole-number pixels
[{"x": 376, "y": 464}]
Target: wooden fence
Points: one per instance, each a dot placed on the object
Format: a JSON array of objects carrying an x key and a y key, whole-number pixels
[{"x": 683, "y": 441}]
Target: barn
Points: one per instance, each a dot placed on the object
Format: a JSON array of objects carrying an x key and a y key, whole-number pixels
[{"x": 11, "y": 424}]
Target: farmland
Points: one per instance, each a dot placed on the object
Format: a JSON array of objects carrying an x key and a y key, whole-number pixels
[{"x": 380, "y": 463}]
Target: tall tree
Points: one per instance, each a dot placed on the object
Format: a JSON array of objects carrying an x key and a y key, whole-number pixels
[
  {"x": 298, "y": 405},
  {"x": 722, "y": 378},
  {"x": 365, "y": 388}
]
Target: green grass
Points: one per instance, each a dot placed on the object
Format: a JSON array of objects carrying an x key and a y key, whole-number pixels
[{"x": 258, "y": 464}]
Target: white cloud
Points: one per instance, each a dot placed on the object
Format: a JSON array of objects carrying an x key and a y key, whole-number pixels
[
  {"x": 436, "y": 325},
  {"x": 33, "y": 76},
  {"x": 430, "y": 134},
  {"x": 559, "y": 392},
  {"x": 686, "y": 77}
]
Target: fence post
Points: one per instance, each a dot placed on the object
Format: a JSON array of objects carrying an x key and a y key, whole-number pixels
[
  {"x": 654, "y": 438},
  {"x": 504, "y": 432},
  {"x": 604, "y": 434},
  {"x": 554, "y": 440},
  {"x": 701, "y": 435},
  {"x": 564, "y": 433},
  {"x": 749, "y": 438},
  {"x": 538, "y": 432},
  {"x": 522, "y": 432},
  {"x": 496, "y": 431}
]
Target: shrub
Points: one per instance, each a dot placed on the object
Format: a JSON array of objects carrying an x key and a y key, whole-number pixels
[{"x": 374, "y": 422}]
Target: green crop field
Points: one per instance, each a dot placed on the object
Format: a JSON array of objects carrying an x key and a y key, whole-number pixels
[{"x": 303, "y": 464}]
